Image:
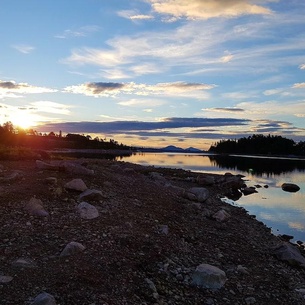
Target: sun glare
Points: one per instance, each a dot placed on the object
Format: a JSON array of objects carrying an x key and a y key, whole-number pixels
[{"x": 23, "y": 120}]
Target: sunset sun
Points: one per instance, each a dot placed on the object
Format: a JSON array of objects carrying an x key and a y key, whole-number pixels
[{"x": 23, "y": 120}]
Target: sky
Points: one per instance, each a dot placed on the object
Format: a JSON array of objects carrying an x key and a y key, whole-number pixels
[{"x": 154, "y": 72}]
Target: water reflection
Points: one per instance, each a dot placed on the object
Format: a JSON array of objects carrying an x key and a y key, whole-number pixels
[
  {"x": 283, "y": 212},
  {"x": 258, "y": 165}
]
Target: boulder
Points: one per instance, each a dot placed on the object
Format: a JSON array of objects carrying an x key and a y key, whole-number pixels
[
  {"x": 91, "y": 195},
  {"x": 290, "y": 187},
  {"x": 205, "y": 180},
  {"x": 234, "y": 182},
  {"x": 199, "y": 194},
  {"x": 289, "y": 253},
  {"x": 76, "y": 185},
  {"x": 249, "y": 190},
  {"x": 44, "y": 299},
  {"x": 87, "y": 211},
  {"x": 208, "y": 276},
  {"x": 35, "y": 208},
  {"x": 72, "y": 248}
]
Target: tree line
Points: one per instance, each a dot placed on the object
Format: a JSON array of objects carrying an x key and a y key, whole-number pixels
[
  {"x": 261, "y": 145},
  {"x": 14, "y": 136}
]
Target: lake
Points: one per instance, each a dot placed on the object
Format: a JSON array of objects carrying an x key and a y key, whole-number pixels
[{"x": 282, "y": 211}]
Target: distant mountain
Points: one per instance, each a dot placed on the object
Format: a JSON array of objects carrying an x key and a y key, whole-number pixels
[
  {"x": 172, "y": 148},
  {"x": 194, "y": 150}
]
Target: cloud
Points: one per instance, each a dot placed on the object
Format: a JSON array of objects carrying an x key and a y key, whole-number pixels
[
  {"x": 142, "y": 103},
  {"x": 225, "y": 109},
  {"x": 226, "y": 58},
  {"x": 298, "y": 85},
  {"x": 134, "y": 15},
  {"x": 99, "y": 89},
  {"x": 268, "y": 110},
  {"x": 199, "y": 9},
  {"x": 81, "y": 32},
  {"x": 51, "y": 107},
  {"x": 200, "y": 47},
  {"x": 132, "y": 126},
  {"x": 12, "y": 89},
  {"x": 22, "y": 48}
]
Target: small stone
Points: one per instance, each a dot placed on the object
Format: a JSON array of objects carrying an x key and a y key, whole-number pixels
[
  {"x": 44, "y": 299},
  {"x": 72, "y": 248},
  {"x": 51, "y": 180},
  {"x": 242, "y": 269},
  {"x": 5, "y": 279},
  {"x": 250, "y": 300},
  {"x": 163, "y": 229},
  {"x": 24, "y": 263},
  {"x": 221, "y": 216}
]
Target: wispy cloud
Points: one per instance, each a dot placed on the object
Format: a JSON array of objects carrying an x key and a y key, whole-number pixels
[
  {"x": 142, "y": 103},
  {"x": 268, "y": 110},
  {"x": 298, "y": 85},
  {"x": 23, "y": 48},
  {"x": 81, "y": 32},
  {"x": 134, "y": 15},
  {"x": 51, "y": 107}
]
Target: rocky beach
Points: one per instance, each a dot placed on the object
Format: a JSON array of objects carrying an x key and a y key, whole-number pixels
[{"x": 101, "y": 232}]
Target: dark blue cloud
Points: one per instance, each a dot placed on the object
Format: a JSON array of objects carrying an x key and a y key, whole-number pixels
[
  {"x": 100, "y": 87},
  {"x": 132, "y": 126}
]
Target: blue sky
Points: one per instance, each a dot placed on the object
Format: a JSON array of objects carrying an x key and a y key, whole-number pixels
[{"x": 153, "y": 73}]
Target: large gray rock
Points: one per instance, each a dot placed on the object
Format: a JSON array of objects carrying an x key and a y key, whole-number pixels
[
  {"x": 289, "y": 253},
  {"x": 200, "y": 194},
  {"x": 91, "y": 195},
  {"x": 76, "y": 185},
  {"x": 35, "y": 208},
  {"x": 44, "y": 299},
  {"x": 208, "y": 276},
  {"x": 87, "y": 211}
]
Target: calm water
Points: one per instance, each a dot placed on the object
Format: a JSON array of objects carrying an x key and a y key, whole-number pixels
[{"x": 282, "y": 211}]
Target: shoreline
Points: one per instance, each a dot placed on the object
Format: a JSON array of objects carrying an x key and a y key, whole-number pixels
[{"x": 150, "y": 227}]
